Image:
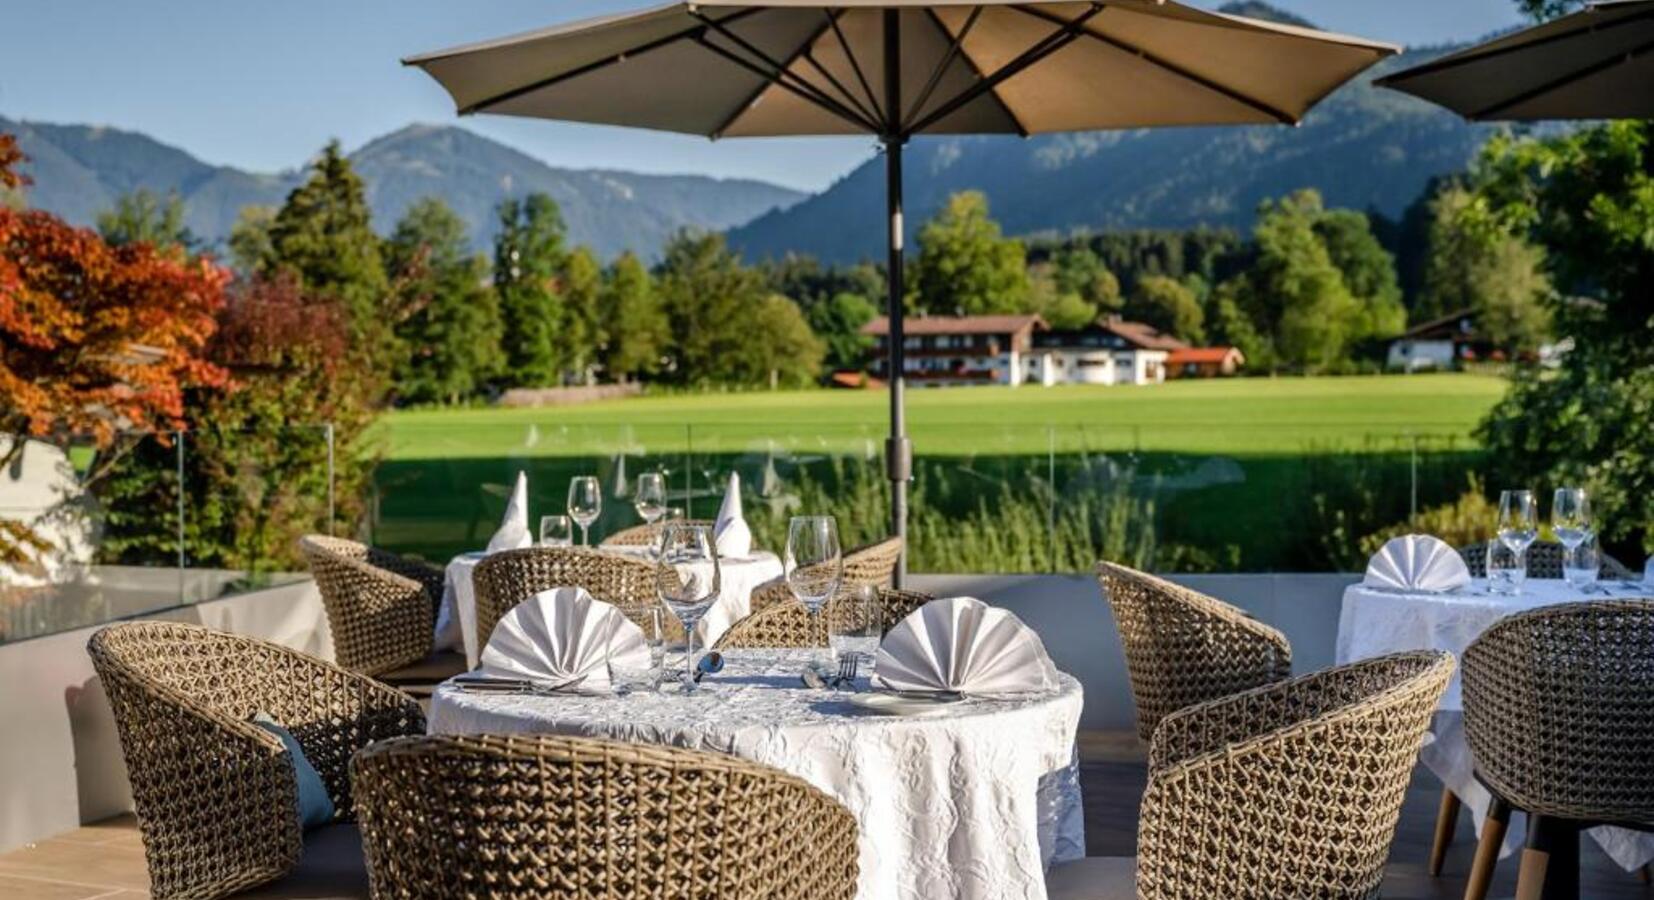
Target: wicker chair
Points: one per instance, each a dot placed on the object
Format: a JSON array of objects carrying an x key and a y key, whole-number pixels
[
  {"x": 1288, "y": 790},
  {"x": 791, "y": 625},
  {"x": 216, "y": 797},
  {"x": 1544, "y": 561},
  {"x": 380, "y": 607},
  {"x": 1559, "y": 714},
  {"x": 544, "y": 818},
  {"x": 1183, "y": 647},
  {"x": 506, "y": 579},
  {"x": 647, "y": 535},
  {"x": 870, "y": 564}
]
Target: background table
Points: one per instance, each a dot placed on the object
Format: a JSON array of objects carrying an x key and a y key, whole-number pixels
[
  {"x": 1375, "y": 622},
  {"x": 456, "y": 622},
  {"x": 975, "y": 803}
]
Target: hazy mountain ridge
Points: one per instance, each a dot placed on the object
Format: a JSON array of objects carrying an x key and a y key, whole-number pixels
[{"x": 80, "y": 171}]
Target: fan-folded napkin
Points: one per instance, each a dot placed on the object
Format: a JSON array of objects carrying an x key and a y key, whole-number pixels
[
  {"x": 514, "y": 533},
  {"x": 1417, "y": 562},
  {"x": 962, "y": 644},
  {"x": 564, "y": 633}
]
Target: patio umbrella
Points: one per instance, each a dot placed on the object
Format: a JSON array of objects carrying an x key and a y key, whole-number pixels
[
  {"x": 898, "y": 68},
  {"x": 1594, "y": 64}
]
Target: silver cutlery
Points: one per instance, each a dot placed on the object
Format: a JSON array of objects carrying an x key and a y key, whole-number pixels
[
  {"x": 847, "y": 665},
  {"x": 491, "y": 685}
]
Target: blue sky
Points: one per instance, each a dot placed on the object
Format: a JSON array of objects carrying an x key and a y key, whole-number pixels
[{"x": 262, "y": 85}]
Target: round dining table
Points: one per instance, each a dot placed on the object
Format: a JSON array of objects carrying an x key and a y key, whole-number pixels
[
  {"x": 974, "y": 799},
  {"x": 1375, "y": 621},
  {"x": 456, "y": 621}
]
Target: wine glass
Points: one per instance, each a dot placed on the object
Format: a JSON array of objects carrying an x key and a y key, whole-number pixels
[
  {"x": 814, "y": 564},
  {"x": 1518, "y": 523},
  {"x": 687, "y": 580},
  {"x": 556, "y": 531},
  {"x": 650, "y": 497},
  {"x": 1571, "y": 523},
  {"x": 585, "y": 504}
]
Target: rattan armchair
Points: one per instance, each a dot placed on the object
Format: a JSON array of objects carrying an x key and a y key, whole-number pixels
[
  {"x": 791, "y": 625},
  {"x": 545, "y": 818},
  {"x": 1183, "y": 647},
  {"x": 216, "y": 797},
  {"x": 1545, "y": 560},
  {"x": 1559, "y": 714},
  {"x": 380, "y": 607},
  {"x": 647, "y": 535},
  {"x": 1288, "y": 790},
  {"x": 870, "y": 564},
  {"x": 503, "y": 580}
]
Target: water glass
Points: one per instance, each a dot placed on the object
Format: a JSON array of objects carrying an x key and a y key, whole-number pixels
[
  {"x": 1518, "y": 522},
  {"x": 1581, "y": 565},
  {"x": 687, "y": 580},
  {"x": 855, "y": 624},
  {"x": 1507, "y": 569},
  {"x": 813, "y": 563},
  {"x": 556, "y": 531},
  {"x": 585, "y": 504},
  {"x": 650, "y": 497},
  {"x": 627, "y": 680}
]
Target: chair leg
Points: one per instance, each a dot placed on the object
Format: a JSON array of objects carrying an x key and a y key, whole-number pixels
[
  {"x": 1447, "y": 819},
  {"x": 1487, "y": 850},
  {"x": 1550, "y": 861}
]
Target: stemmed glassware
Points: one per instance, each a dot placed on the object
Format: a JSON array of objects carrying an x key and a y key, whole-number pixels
[
  {"x": 1518, "y": 524},
  {"x": 1571, "y": 523},
  {"x": 687, "y": 580},
  {"x": 650, "y": 497},
  {"x": 585, "y": 504},
  {"x": 814, "y": 563},
  {"x": 556, "y": 531}
]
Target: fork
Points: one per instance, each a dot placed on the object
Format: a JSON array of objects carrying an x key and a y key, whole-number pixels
[{"x": 847, "y": 665}]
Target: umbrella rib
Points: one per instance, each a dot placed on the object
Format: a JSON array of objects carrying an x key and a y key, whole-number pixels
[
  {"x": 779, "y": 73},
  {"x": 977, "y": 71},
  {"x": 1617, "y": 59},
  {"x": 1280, "y": 115},
  {"x": 809, "y": 57},
  {"x": 855, "y": 65},
  {"x": 1046, "y": 46},
  {"x": 771, "y": 78},
  {"x": 765, "y": 85},
  {"x": 955, "y": 40},
  {"x": 1455, "y": 61},
  {"x": 540, "y": 84}
]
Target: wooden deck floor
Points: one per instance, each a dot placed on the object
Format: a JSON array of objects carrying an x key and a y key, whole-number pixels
[{"x": 105, "y": 861}]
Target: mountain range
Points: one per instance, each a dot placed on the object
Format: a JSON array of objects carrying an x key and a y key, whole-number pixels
[{"x": 80, "y": 171}]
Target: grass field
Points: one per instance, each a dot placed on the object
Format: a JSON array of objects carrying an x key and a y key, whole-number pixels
[{"x": 1241, "y": 417}]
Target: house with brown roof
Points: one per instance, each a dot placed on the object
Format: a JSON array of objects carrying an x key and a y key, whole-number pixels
[
  {"x": 1110, "y": 350},
  {"x": 947, "y": 350},
  {"x": 1204, "y": 362}
]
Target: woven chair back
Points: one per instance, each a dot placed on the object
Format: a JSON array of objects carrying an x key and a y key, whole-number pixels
[
  {"x": 543, "y": 818},
  {"x": 789, "y": 624},
  {"x": 1545, "y": 560},
  {"x": 1559, "y": 710},
  {"x": 380, "y": 620},
  {"x": 503, "y": 580}
]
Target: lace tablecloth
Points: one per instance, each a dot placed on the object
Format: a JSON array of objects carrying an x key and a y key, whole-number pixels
[
  {"x": 456, "y": 621},
  {"x": 975, "y": 803},
  {"x": 1375, "y": 622}
]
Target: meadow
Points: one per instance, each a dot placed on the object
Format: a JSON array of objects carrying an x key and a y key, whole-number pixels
[{"x": 1249, "y": 474}]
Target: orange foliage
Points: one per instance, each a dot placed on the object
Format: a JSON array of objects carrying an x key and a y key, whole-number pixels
[
  {"x": 10, "y": 156},
  {"x": 95, "y": 339}
]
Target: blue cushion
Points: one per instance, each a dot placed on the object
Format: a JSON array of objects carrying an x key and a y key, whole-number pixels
[{"x": 315, "y": 806}]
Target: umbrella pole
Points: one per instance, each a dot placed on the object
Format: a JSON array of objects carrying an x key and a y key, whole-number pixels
[{"x": 898, "y": 451}]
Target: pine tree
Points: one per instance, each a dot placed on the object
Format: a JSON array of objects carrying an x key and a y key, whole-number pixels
[
  {"x": 582, "y": 337},
  {"x": 634, "y": 322},
  {"x": 528, "y": 259},
  {"x": 449, "y": 326},
  {"x": 144, "y": 217}
]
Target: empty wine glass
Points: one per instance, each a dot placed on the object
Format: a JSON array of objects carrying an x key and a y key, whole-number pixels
[
  {"x": 650, "y": 497},
  {"x": 1571, "y": 523},
  {"x": 585, "y": 504},
  {"x": 556, "y": 531},
  {"x": 1518, "y": 523},
  {"x": 687, "y": 580},
  {"x": 814, "y": 563}
]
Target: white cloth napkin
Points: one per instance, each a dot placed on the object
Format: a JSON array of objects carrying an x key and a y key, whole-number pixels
[
  {"x": 731, "y": 533},
  {"x": 1417, "y": 562},
  {"x": 564, "y": 633},
  {"x": 962, "y": 644},
  {"x": 514, "y": 533}
]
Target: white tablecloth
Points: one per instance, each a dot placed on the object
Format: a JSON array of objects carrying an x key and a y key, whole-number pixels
[
  {"x": 1374, "y": 622},
  {"x": 975, "y": 803},
  {"x": 456, "y": 623}
]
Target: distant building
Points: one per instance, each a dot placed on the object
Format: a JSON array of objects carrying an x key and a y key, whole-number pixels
[
  {"x": 1205, "y": 362},
  {"x": 948, "y": 350},
  {"x": 1111, "y": 350},
  {"x": 1446, "y": 343}
]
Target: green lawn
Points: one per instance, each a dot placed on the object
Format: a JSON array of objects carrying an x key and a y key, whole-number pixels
[{"x": 1246, "y": 417}]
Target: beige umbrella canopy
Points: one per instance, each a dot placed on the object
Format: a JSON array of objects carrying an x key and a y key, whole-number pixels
[
  {"x": 898, "y": 68},
  {"x": 1594, "y": 64}
]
